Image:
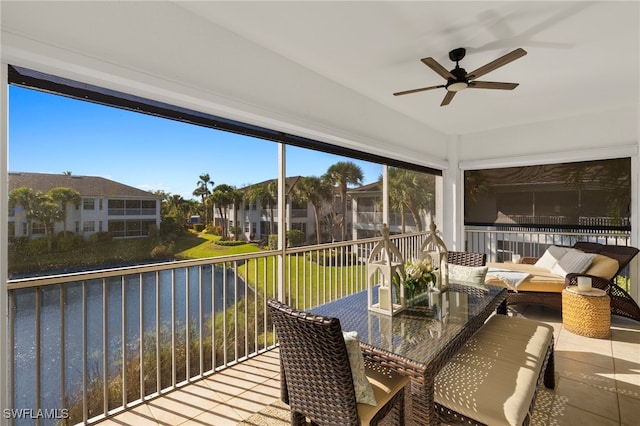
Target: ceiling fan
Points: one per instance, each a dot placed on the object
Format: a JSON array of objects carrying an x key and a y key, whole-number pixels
[{"x": 459, "y": 79}]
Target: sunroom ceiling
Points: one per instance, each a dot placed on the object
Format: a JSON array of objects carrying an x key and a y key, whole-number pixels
[
  {"x": 330, "y": 68},
  {"x": 583, "y": 57}
]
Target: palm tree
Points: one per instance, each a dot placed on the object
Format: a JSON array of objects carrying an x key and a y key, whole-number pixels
[
  {"x": 313, "y": 190},
  {"x": 24, "y": 197},
  {"x": 410, "y": 190},
  {"x": 63, "y": 196},
  {"x": 46, "y": 211},
  {"x": 341, "y": 175},
  {"x": 267, "y": 194},
  {"x": 222, "y": 196},
  {"x": 203, "y": 192}
]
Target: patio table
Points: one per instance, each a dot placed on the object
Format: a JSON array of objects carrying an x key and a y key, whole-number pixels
[{"x": 420, "y": 340}]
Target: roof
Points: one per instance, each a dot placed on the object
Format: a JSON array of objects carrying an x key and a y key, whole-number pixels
[{"x": 87, "y": 186}]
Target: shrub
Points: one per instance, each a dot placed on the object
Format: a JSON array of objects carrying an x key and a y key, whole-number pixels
[
  {"x": 37, "y": 246},
  {"x": 198, "y": 227},
  {"x": 273, "y": 242},
  {"x": 295, "y": 238},
  {"x": 153, "y": 230},
  {"x": 68, "y": 242},
  {"x": 162, "y": 251},
  {"x": 230, "y": 243},
  {"x": 101, "y": 237}
]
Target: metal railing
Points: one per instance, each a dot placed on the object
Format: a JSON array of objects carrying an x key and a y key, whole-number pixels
[
  {"x": 85, "y": 346},
  {"x": 89, "y": 345},
  {"x": 499, "y": 245}
]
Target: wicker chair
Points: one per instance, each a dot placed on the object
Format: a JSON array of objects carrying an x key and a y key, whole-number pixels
[
  {"x": 467, "y": 258},
  {"x": 316, "y": 373}
]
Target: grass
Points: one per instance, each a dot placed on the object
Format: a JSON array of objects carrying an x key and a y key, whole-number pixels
[{"x": 206, "y": 247}]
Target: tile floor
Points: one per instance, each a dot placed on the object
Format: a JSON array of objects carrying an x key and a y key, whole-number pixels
[{"x": 597, "y": 383}]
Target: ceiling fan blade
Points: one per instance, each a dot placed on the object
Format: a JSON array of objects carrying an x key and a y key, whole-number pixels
[
  {"x": 406, "y": 92},
  {"x": 492, "y": 85},
  {"x": 435, "y": 65},
  {"x": 447, "y": 98},
  {"x": 504, "y": 60}
]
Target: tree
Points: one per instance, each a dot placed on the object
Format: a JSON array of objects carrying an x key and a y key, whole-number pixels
[
  {"x": 48, "y": 212},
  {"x": 222, "y": 196},
  {"x": 315, "y": 191},
  {"x": 341, "y": 175},
  {"x": 24, "y": 197},
  {"x": 409, "y": 189},
  {"x": 63, "y": 196},
  {"x": 267, "y": 194},
  {"x": 203, "y": 192}
]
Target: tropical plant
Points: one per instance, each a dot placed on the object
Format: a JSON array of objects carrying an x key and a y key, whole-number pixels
[
  {"x": 313, "y": 190},
  {"x": 267, "y": 194},
  {"x": 24, "y": 197},
  {"x": 203, "y": 192},
  {"x": 63, "y": 196},
  {"x": 47, "y": 212},
  {"x": 341, "y": 175},
  {"x": 410, "y": 190},
  {"x": 222, "y": 196}
]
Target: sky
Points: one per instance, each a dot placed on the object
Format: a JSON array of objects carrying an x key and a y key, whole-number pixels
[{"x": 54, "y": 134}]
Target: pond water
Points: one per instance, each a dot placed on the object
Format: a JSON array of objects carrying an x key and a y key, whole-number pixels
[{"x": 193, "y": 290}]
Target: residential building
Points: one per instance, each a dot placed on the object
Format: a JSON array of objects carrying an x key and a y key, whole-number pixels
[{"x": 105, "y": 206}]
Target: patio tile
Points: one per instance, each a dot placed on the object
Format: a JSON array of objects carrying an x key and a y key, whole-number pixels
[
  {"x": 184, "y": 404},
  {"x": 600, "y": 377},
  {"x": 220, "y": 415},
  {"x": 567, "y": 415},
  {"x": 629, "y": 408},
  {"x": 140, "y": 415},
  {"x": 600, "y": 402}
]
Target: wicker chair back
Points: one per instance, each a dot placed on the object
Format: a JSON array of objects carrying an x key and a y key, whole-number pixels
[
  {"x": 467, "y": 258},
  {"x": 316, "y": 366}
]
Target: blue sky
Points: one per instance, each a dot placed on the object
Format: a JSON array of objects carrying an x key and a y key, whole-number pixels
[{"x": 54, "y": 134}]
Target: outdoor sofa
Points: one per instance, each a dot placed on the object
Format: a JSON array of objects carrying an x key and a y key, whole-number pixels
[{"x": 540, "y": 281}]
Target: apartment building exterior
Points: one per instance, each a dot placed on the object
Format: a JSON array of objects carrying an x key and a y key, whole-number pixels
[{"x": 105, "y": 206}]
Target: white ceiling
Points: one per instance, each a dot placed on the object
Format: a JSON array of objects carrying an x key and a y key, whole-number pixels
[{"x": 583, "y": 57}]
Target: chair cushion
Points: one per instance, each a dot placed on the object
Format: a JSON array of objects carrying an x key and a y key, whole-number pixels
[
  {"x": 385, "y": 385},
  {"x": 550, "y": 257},
  {"x": 364, "y": 391},
  {"x": 467, "y": 274},
  {"x": 573, "y": 261},
  {"x": 492, "y": 379}
]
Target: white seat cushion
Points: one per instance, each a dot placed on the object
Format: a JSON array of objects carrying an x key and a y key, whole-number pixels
[{"x": 492, "y": 379}]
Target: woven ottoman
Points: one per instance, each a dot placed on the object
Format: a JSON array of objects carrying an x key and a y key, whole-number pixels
[{"x": 586, "y": 313}]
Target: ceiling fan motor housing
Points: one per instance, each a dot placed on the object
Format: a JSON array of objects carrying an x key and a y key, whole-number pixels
[{"x": 460, "y": 82}]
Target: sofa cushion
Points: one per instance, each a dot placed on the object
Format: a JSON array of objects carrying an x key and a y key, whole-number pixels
[
  {"x": 573, "y": 261},
  {"x": 603, "y": 266},
  {"x": 550, "y": 257},
  {"x": 539, "y": 279}
]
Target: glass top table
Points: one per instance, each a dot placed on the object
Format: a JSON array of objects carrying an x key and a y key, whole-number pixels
[{"x": 421, "y": 339}]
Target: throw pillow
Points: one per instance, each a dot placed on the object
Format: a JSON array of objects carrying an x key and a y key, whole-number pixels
[
  {"x": 573, "y": 261},
  {"x": 467, "y": 274},
  {"x": 364, "y": 391},
  {"x": 603, "y": 266},
  {"x": 550, "y": 257}
]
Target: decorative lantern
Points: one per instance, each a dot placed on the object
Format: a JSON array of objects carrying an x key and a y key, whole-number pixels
[
  {"x": 385, "y": 262},
  {"x": 433, "y": 248}
]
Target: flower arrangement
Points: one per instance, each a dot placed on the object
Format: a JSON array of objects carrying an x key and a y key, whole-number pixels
[{"x": 420, "y": 275}]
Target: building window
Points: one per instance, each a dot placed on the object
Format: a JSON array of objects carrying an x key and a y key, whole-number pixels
[
  {"x": 89, "y": 226},
  {"x": 37, "y": 228},
  {"x": 88, "y": 204},
  {"x": 100, "y": 204},
  {"x": 246, "y": 227},
  {"x": 77, "y": 226}
]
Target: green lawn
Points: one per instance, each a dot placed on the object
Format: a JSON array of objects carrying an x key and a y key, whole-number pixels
[{"x": 203, "y": 245}]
